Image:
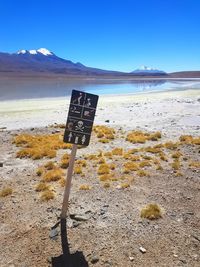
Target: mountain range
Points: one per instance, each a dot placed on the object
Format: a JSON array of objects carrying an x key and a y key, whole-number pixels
[{"x": 42, "y": 62}]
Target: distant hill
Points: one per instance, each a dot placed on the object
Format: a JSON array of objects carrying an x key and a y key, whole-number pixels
[
  {"x": 185, "y": 74},
  {"x": 44, "y": 63},
  {"x": 144, "y": 70}
]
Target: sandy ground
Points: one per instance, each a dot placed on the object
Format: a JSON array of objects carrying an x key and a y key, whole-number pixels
[{"x": 112, "y": 230}]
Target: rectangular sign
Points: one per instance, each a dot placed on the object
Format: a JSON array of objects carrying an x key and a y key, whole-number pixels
[{"x": 80, "y": 118}]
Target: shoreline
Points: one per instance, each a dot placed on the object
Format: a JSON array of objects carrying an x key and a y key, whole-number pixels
[{"x": 129, "y": 110}]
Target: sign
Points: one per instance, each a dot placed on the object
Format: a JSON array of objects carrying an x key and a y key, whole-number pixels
[{"x": 80, "y": 118}]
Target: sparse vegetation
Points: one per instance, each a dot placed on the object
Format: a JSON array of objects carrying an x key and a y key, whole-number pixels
[
  {"x": 47, "y": 195},
  {"x": 105, "y": 133},
  {"x": 42, "y": 187},
  {"x": 151, "y": 212},
  {"x": 52, "y": 175},
  {"x": 84, "y": 187},
  {"x": 141, "y": 137},
  {"x": 6, "y": 192},
  {"x": 103, "y": 169},
  {"x": 39, "y": 146}
]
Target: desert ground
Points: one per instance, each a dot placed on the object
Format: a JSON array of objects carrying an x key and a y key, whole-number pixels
[{"x": 144, "y": 150}]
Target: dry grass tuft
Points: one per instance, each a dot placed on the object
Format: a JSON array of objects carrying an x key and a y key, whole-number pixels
[
  {"x": 141, "y": 137},
  {"x": 39, "y": 146},
  {"x": 177, "y": 155},
  {"x": 42, "y": 187},
  {"x": 130, "y": 166},
  {"x": 142, "y": 173},
  {"x": 124, "y": 185},
  {"x": 103, "y": 169},
  {"x": 151, "y": 212},
  {"x": 50, "y": 165},
  {"x": 62, "y": 182},
  {"x": 6, "y": 192},
  {"x": 153, "y": 150},
  {"x": 40, "y": 171},
  {"x": 117, "y": 151},
  {"x": 170, "y": 145},
  {"x": 194, "y": 164},
  {"x": 47, "y": 195},
  {"x": 144, "y": 163},
  {"x": 104, "y": 132},
  {"x": 176, "y": 164},
  {"x": 78, "y": 169},
  {"x": 81, "y": 162},
  {"x": 52, "y": 175},
  {"x": 106, "y": 185},
  {"x": 84, "y": 187}
]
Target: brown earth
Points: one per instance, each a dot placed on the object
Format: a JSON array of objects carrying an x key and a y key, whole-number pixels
[{"x": 111, "y": 231}]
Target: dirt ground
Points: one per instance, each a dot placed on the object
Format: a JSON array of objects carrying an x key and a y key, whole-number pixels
[{"x": 103, "y": 223}]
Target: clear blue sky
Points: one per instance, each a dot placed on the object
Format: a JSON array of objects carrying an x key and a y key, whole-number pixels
[{"x": 109, "y": 34}]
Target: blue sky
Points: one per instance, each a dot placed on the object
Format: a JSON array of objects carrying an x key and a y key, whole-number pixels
[{"x": 108, "y": 34}]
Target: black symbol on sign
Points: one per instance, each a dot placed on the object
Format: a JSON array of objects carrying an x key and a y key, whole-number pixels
[
  {"x": 70, "y": 126},
  {"x": 76, "y": 140},
  {"x": 88, "y": 102},
  {"x": 78, "y": 99},
  {"x": 83, "y": 139},
  {"x": 70, "y": 137},
  {"x": 79, "y": 126}
]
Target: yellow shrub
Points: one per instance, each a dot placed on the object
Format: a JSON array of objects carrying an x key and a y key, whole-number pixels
[
  {"x": 112, "y": 166},
  {"x": 108, "y": 155},
  {"x": 84, "y": 187},
  {"x": 171, "y": 145},
  {"x": 50, "y": 165},
  {"x": 78, "y": 169},
  {"x": 39, "y": 171},
  {"x": 103, "y": 169},
  {"x": 131, "y": 166},
  {"x": 104, "y": 140},
  {"x": 64, "y": 163},
  {"x": 153, "y": 150},
  {"x": 39, "y": 146},
  {"x": 62, "y": 182},
  {"x": 6, "y": 192},
  {"x": 177, "y": 155},
  {"x": 106, "y": 185},
  {"x": 52, "y": 175},
  {"x": 176, "y": 164},
  {"x": 142, "y": 173},
  {"x": 81, "y": 162},
  {"x": 151, "y": 212},
  {"x": 144, "y": 163},
  {"x": 124, "y": 185},
  {"x": 42, "y": 187},
  {"x": 194, "y": 164},
  {"x": 101, "y": 160},
  {"x": 47, "y": 195}
]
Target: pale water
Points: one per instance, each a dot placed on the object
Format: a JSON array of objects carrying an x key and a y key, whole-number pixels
[{"x": 17, "y": 90}]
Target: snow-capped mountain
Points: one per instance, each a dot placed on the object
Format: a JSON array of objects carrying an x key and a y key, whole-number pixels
[
  {"x": 148, "y": 70},
  {"x": 42, "y": 51},
  {"x": 43, "y": 61}
]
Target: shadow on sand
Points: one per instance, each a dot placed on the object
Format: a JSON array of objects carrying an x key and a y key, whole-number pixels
[{"x": 66, "y": 259}]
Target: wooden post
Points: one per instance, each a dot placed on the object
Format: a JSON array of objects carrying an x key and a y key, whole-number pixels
[{"x": 68, "y": 183}]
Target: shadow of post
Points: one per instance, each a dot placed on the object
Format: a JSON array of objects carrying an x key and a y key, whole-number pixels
[{"x": 76, "y": 259}]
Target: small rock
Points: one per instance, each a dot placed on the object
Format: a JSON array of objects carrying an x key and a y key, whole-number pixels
[
  {"x": 1, "y": 164},
  {"x": 107, "y": 121},
  {"x": 79, "y": 217},
  {"x": 143, "y": 250},
  {"x": 49, "y": 259},
  {"x": 53, "y": 234},
  {"x": 131, "y": 258},
  {"x": 94, "y": 259}
]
